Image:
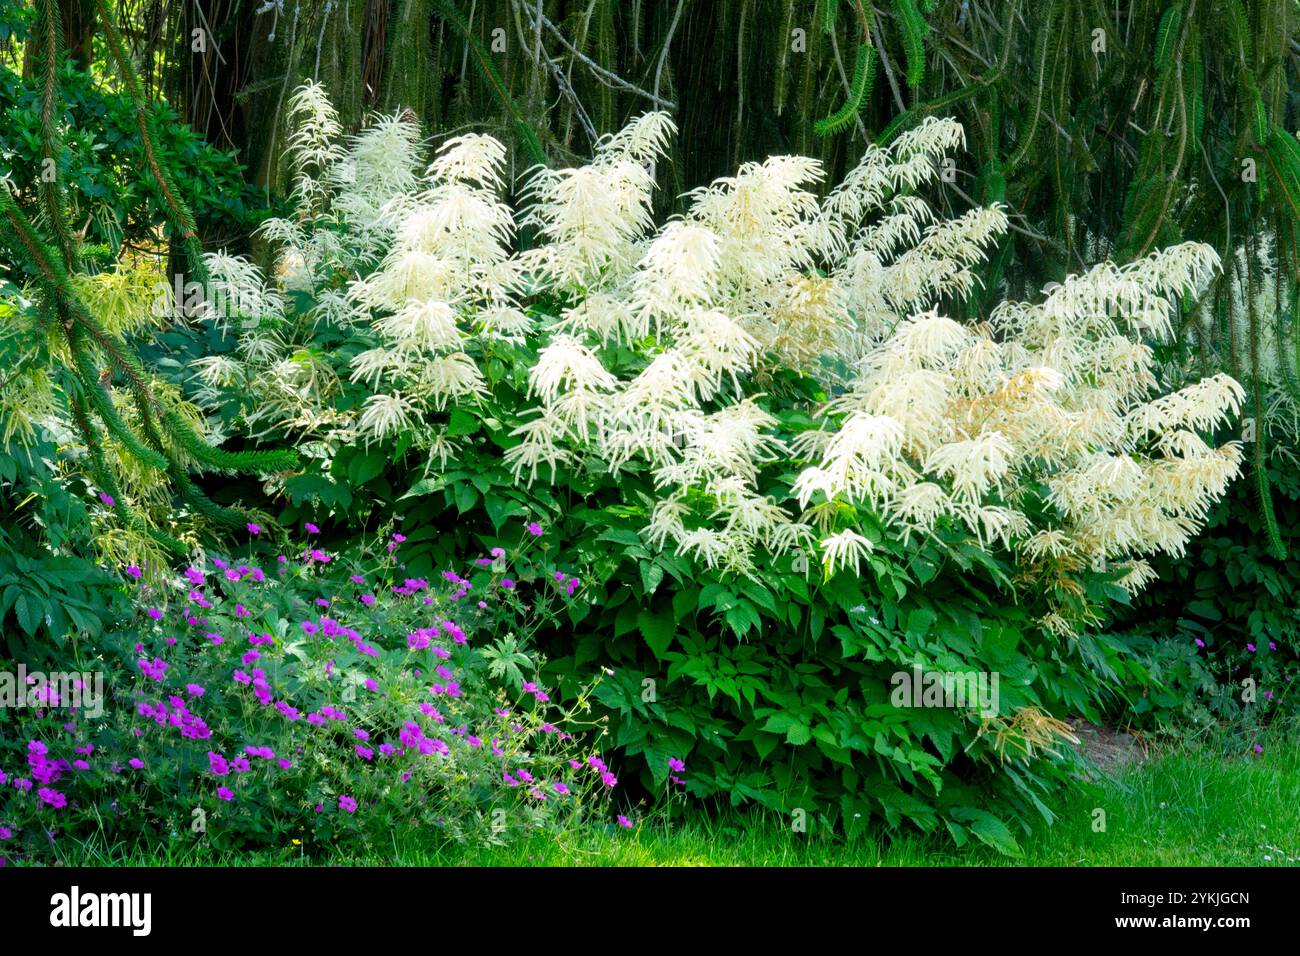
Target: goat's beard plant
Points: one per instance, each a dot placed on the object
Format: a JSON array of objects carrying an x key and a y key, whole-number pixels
[
  {"x": 305, "y": 703},
  {"x": 1040, "y": 432}
]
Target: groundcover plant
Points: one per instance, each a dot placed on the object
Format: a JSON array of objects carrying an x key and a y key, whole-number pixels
[{"x": 308, "y": 700}]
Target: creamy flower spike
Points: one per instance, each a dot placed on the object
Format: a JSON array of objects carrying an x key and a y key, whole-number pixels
[{"x": 1047, "y": 408}]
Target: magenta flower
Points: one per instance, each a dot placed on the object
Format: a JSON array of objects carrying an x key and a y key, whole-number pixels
[
  {"x": 675, "y": 765},
  {"x": 288, "y": 710},
  {"x": 534, "y": 529},
  {"x": 137, "y": 763},
  {"x": 348, "y": 803},
  {"x": 254, "y": 528},
  {"x": 225, "y": 793},
  {"x": 154, "y": 670},
  {"x": 133, "y": 571},
  {"x": 155, "y": 613},
  {"x": 624, "y": 821},
  {"x": 105, "y": 497},
  {"x": 311, "y": 528}
]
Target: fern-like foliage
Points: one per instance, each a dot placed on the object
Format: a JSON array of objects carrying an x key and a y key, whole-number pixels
[
  {"x": 864, "y": 77},
  {"x": 912, "y": 26}
]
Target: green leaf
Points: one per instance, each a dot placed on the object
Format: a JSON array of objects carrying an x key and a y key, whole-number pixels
[
  {"x": 366, "y": 466},
  {"x": 29, "y": 613},
  {"x": 462, "y": 423},
  {"x": 657, "y": 629},
  {"x": 499, "y": 509},
  {"x": 742, "y": 618},
  {"x": 989, "y": 830},
  {"x": 426, "y": 486},
  {"x": 798, "y": 734},
  {"x": 619, "y": 536},
  {"x": 651, "y": 575},
  {"x": 466, "y": 497}
]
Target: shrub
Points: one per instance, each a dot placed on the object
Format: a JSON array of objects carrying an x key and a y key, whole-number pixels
[
  {"x": 782, "y": 475},
  {"x": 316, "y": 699}
]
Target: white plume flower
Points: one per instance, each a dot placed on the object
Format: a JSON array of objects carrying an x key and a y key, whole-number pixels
[{"x": 773, "y": 362}]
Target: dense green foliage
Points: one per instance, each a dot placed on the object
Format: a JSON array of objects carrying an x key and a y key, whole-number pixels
[
  {"x": 101, "y": 150},
  {"x": 51, "y": 587}
]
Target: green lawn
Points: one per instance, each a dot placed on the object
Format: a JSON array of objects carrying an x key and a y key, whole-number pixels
[{"x": 1179, "y": 809}]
